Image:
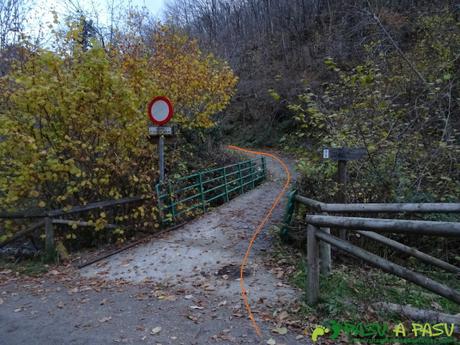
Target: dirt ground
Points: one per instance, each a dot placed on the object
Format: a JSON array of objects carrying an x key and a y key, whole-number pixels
[{"x": 180, "y": 288}]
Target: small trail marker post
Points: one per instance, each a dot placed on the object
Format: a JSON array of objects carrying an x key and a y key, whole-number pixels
[
  {"x": 342, "y": 155},
  {"x": 160, "y": 111}
]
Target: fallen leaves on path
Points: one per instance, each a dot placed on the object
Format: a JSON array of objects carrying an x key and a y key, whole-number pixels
[
  {"x": 196, "y": 307},
  {"x": 155, "y": 330},
  {"x": 105, "y": 319},
  {"x": 280, "y": 330}
]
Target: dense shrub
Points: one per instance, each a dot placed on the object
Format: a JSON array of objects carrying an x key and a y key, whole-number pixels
[{"x": 73, "y": 122}]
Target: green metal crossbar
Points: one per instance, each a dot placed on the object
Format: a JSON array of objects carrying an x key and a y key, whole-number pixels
[{"x": 177, "y": 198}]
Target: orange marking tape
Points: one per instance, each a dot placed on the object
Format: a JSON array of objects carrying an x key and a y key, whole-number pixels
[{"x": 259, "y": 228}]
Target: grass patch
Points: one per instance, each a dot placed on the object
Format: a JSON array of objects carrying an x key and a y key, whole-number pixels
[
  {"x": 348, "y": 293},
  {"x": 30, "y": 267}
]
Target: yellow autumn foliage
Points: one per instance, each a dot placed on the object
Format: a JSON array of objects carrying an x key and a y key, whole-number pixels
[{"x": 73, "y": 118}]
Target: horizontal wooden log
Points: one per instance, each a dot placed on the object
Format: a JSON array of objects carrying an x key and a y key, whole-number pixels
[
  {"x": 418, "y": 314},
  {"x": 393, "y": 208},
  {"x": 381, "y": 207},
  {"x": 85, "y": 224},
  {"x": 23, "y": 215},
  {"x": 317, "y": 205},
  {"x": 411, "y": 251},
  {"x": 76, "y": 209},
  {"x": 94, "y": 206},
  {"x": 418, "y": 227},
  {"x": 390, "y": 267},
  {"x": 116, "y": 251},
  {"x": 24, "y": 232}
]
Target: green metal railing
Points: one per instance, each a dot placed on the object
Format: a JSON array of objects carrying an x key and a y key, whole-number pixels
[{"x": 180, "y": 198}]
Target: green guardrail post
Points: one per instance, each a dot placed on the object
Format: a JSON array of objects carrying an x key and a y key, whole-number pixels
[
  {"x": 203, "y": 202},
  {"x": 251, "y": 171},
  {"x": 160, "y": 207},
  {"x": 288, "y": 214},
  {"x": 171, "y": 198},
  {"x": 225, "y": 183},
  {"x": 241, "y": 178},
  {"x": 264, "y": 168}
]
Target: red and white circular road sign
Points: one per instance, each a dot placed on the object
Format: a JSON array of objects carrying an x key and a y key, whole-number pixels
[{"x": 160, "y": 110}]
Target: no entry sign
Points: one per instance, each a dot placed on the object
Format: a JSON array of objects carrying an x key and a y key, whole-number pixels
[{"x": 160, "y": 110}]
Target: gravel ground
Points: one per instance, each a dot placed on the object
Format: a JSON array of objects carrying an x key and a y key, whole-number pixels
[{"x": 181, "y": 288}]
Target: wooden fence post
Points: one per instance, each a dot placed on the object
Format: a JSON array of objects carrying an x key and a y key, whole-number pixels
[
  {"x": 325, "y": 255},
  {"x": 49, "y": 238},
  {"x": 313, "y": 265},
  {"x": 342, "y": 195}
]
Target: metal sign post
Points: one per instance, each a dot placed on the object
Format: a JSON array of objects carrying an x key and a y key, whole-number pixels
[
  {"x": 160, "y": 112},
  {"x": 161, "y": 154}
]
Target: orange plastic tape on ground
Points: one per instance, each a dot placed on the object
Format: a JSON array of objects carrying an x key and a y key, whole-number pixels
[{"x": 260, "y": 227}]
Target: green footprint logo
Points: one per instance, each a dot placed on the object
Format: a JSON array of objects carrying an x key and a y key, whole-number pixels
[{"x": 318, "y": 332}]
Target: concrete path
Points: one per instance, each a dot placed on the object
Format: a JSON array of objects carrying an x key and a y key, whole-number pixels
[{"x": 182, "y": 288}]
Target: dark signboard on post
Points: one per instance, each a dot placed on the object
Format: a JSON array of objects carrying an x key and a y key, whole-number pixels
[{"x": 344, "y": 153}]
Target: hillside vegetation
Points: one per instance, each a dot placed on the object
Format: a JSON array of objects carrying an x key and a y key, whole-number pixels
[{"x": 315, "y": 73}]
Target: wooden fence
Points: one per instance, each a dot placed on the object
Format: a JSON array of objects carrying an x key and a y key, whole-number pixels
[
  {"x": 320, "y": 240},
  {"x": 50, "y": 218},
  {"x": 175, "y": 198}
]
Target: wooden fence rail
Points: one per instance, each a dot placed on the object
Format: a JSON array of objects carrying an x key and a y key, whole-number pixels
[
  {"x": 72, "y": 210},
  {"x": 410, "y": 251},
  {"x": 380, "y": 207},
  {"x": 375, "y": 260},
  {"x": 419, "y": 227},
  {"x": 319, "y": 240},
  {"x": 49, "y": 218}
]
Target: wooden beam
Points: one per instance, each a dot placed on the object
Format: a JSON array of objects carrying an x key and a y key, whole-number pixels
[
  {"x": 24, "y": 232},
  {"x": 418, "y": 227},
  {"x": 313, "y": 265},
  {"x": 325, "y": 263},
  {"x": 390, "y": 267},
  {"x": 381, "y": 207},
  {"x": 76, "y": 209},
  {"x": 410, "y": 251},
  {"x": 418, "y": 314},
  {"x": 393, "y": 208},
  {"x": 317, "y": 205},
  {"x": 23, "y": 215},
  {"x": 93, "y": 206},
  {"x": 49, "y": 239},
  {"x": 81, "y": 223},
  {"x": 116, "y": 251}
]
